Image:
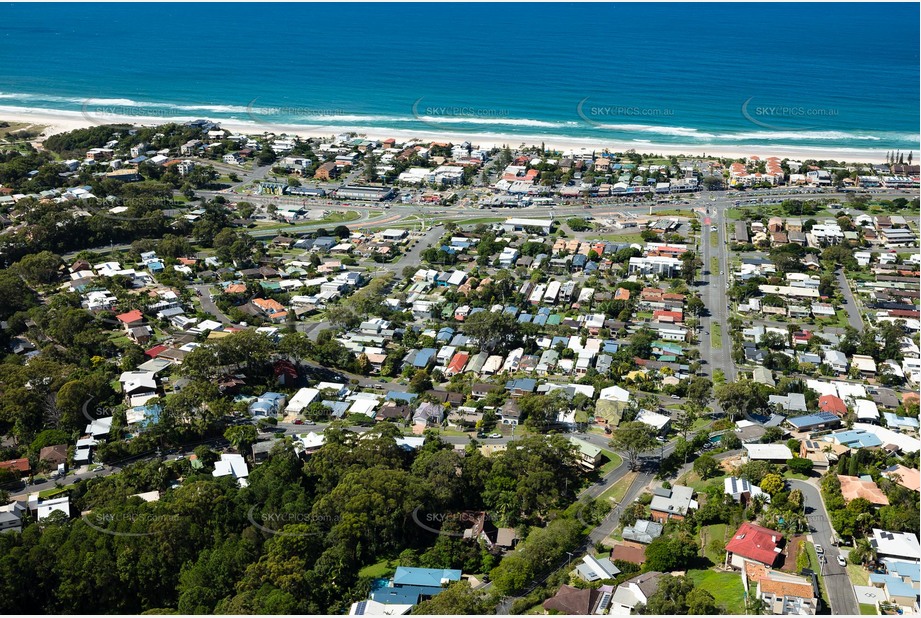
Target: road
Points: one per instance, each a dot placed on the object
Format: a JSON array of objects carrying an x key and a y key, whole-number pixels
[
  {"x": 840, "y": 591},
  {"x": 853, "y": 310},
  {"x": 208, "y": 305}
]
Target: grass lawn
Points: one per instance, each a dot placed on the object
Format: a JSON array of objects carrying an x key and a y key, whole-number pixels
[
  {"x": 707, "y": 535},
  {"x": 857, "y": 574},
  {"x": 692, "y": 479},
  {"x": 714, "y": 238},
  {"x": 54, "y": 491},
  {"x": 867, "y": 610},
  {"x": 716, "y": 336},
  {"x": 726, "y": 588},
  {"x": 627, "y": 238},
  {"x": 615, "y": 493},
  {"x": 611, "y": 460},
  {"x": 478, "y": 220},
  {"x": 700, "y": 423},
  {"x": 817, "y": 568},
  {"x": 675, "y": 212},
  {"x": 714, "y": 265},
  {"x": 380, "y": 569},
  {"x": 788, "y": 474}
]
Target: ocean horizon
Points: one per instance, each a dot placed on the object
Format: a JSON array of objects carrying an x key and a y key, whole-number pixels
[{"x": 637, "y": 74}]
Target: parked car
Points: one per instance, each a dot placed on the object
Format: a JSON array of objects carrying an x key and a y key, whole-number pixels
[
  {"x": 495, "y": 435},
  {"x": 841, "y": 560},
  {"x": 819, "y": 549},
  {"x": 298, "y": 422}
]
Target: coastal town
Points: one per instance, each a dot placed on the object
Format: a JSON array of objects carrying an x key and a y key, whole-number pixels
[{"x": 268, "y": 373}]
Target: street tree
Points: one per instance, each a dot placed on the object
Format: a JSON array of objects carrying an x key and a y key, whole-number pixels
[{"x": 632, "y": 439}]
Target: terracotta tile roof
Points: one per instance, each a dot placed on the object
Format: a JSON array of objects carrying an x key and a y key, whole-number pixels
[
  {"x": 906, "y": 477},
  {"x": 130, "y": 316},
  {"x": 787, "y": 589},
  {"x": 853, "y": 488},
  {"x": 268, "y": 304},
  {"x": 629, "y": 553},
  {"x": 20, "y": 465}
]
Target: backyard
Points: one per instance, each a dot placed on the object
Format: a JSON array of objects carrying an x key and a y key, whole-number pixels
[{"x": 726, "y": 588}]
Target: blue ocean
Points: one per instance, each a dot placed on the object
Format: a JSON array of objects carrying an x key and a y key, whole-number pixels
[{"x": 809, "y": 76}]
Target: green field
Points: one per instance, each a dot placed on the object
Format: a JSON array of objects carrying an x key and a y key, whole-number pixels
[
  {"x": 815, "y": 566},
  {"x": 857, "y": 574},
  {"x": 626, "y": 238},
  {"x": 379, "y": 569},
  {"x": 726, "y": 588},
  {"x": 616, "y": 492},
  {"x": 707, "y": 536},
  {"x": 479, "y": 220},
  {"x": 714, "y": 238},
  {"x": 675, "y": 212},
  {"x": 611, "y": 461},
  {"x": 714, "y": 265},
  {"x": 716, "y": 336},
  {"x": 867, "y": 610}
]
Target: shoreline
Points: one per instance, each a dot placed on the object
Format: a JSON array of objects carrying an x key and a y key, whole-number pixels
[{"x": 63, "y": 121}]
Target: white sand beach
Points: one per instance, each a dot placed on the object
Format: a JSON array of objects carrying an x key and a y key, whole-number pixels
[{"x": 62, "y": 121}]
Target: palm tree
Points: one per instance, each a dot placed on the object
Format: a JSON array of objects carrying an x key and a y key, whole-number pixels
[{"x": 863, "y": 552}]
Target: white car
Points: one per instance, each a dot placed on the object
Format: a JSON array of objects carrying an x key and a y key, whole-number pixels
[
  {"x": 819, "y": 550},
  {"x": 841, "y": 560}
]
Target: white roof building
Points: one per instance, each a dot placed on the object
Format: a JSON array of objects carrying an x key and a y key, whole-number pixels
[
  {"x": 866, "y": 409},
  {"x": 364, "y": 406},
  {"x": 231, "y": 465},
  {"x": 769, "y": 452},
  {"x": 302, "y": 398},
  {"x": 47, "y": 507},
  {"x": 896, "y": 544},
  {"x": 655, "y": 420},
  {"x": 615, "y": 393}
]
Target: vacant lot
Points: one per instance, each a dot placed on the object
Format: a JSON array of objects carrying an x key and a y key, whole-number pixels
[{"x": 726, "y": 588}]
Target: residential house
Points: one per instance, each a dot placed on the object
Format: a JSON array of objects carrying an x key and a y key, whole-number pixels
[
  {"x": 634, "y": 591},
  {"x": 786, "y": 594},
  {"x": 643, "y": 531},
  {"x": 756, "y": 544},
  {"x": 589, "y": 455},
  {"x": 742, "y": 490},
  {"x": 671, "y": 503},
  {"x": 577, "y": 601},
  {"x": 594, "y": 569},
  {"x": 853, "y": 487}
]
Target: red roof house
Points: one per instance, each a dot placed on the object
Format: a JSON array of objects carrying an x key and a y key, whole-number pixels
[
  {"x": 457, "y": 364},
  {"x": 130, "y": 317},
  {"x": 751, "y": 542},
  {"x": 16, "y": 465},
  {"x": 156, "y": 350},
  {"x": 833, "y": 404}
]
